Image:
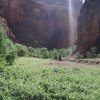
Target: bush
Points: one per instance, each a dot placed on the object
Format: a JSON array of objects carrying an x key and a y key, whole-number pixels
[
  {"x": 6, "y": 48},
  {"x": 89, "y": 54},
  {"x": 44, "y": 52},
  {"x": 41, "y": 52},
  {"x": 63, "y": 52},
  {"x": 21, "y": 50},
  {"x": 98, "y": 55},
  {"x": 31, "y": 52},
  {"x": 94, "y": 50},
  {"x": 11, "y": 52},
  {"x": 3, "y": 38},
  {"x": 10, "y": 58},
  {"x": 59, "y": 58},
  {"x": 79, "y": 56},
  {"x": 54, "y": 53}
]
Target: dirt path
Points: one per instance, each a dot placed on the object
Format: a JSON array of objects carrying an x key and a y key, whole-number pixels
[{"x": 75, "y": 63}]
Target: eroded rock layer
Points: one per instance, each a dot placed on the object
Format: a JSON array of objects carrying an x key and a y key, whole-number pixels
[
  {"x": 89, "y": 26},
  {"x": 27, "y": 21},
  {"x": 3, "y": 23},
  {"x": 38, "y": 25}
]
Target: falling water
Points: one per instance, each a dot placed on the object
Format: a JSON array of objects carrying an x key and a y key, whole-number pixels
[
  {"x": 83, "y": 1},
  {"x": 72, "y": 23}
]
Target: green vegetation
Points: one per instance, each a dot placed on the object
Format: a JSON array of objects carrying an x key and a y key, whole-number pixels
[
  {"x": 41, "y": 52},
  {"x": 7, "y": 49},
  {"x": 36, "y": 79},
  {"x": 43, "y": 79},
  {"x": 21, "y": 50},
  {"x": 94, "y": 52}
]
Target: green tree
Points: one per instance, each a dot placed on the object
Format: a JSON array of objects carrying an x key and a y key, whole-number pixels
[
  {"x": 21, "y": 50},
  {"x": 6, "y": 48}
]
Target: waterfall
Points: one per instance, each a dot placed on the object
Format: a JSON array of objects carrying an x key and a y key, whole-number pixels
[{"x": 72, "y": 23}]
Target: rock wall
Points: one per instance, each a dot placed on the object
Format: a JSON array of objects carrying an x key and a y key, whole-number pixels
[
  {"x": 3, "y": 23},
  {"x": 58, "y": 21},
  {"x": 89, "y": 26},
  {"x": 38, "y": 25},
  {"x": 26, "y": 19}
]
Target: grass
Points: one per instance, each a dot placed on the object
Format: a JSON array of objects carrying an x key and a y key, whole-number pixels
[{"x": 36, "y": 79}]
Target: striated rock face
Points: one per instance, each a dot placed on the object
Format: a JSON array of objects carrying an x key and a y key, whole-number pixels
[
  {"x": 89, "y": 26},
  {"x": 27, "y": 21},
  {"x": 58, "y": 21},
  {"x": 39, "y": 23},
  {"x": 3, "y": 23}
]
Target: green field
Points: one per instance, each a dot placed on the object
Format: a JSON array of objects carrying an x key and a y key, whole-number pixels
[{"x": 38, "y": 79}]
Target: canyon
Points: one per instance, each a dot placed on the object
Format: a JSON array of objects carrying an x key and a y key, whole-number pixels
[
  {"x": 40, "y": 23},
  {"x": 46, "y": 23}
]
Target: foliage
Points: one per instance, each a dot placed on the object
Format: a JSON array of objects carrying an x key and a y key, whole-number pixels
[
  {"x": 45, "y": 53},
  {"x": 3, "y": 39},
  {"x": 94, "y": 49},
  {"x": 29, "y": 79},
  {"x": 92, "y": 53},
  {"x": 7, "y": 48},
  {"x": 21, "y": 50},
  {"x": 89, "y": 54},
  {"x": 79, "y": 56},
  {"x": 98, "y": 55}
]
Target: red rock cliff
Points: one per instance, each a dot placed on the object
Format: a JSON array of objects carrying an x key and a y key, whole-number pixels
[
  {"x": 89, "y": 26},
  {"x": 35, "y": 25},
  {"x": 27, "y": 21}
]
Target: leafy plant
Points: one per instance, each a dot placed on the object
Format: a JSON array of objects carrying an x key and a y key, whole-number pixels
[
  {"x": 21, "y": 50},
  {"x": 79, "y": 56},
  {"x": 7, "y": 48},
  {"x": 29, "y": 79}
]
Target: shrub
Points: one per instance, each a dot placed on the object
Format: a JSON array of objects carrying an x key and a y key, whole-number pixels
[
  {"x": 63, "y": 52},
  {"x": 44, "y": 52},
  {"x": 10, "y": 58},
  {"x": 11, "y": 52},
  {"x": 21, "y": 50},
  {"x": 41, "y": 52},
  {"x": 89, "y": 54},
  {"x": 6, "y": 47},
  {"x": 31, "y": 52},
  {"x": 54, "y": 53},
  {"x": 2, "y": 43},
  {"x": 59, "y": 58},
  {"x": 98, "y": 55},
  {"x": 55, "y": 57},
  {"x": 79, "y": 56},
  {"x": 94, "y": 50}
]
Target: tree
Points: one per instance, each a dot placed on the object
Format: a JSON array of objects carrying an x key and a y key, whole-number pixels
[{"x": 7, "y": 48}]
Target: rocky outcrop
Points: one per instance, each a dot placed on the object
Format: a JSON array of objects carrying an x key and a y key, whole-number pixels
[
  {"x": 3, "y": 23},
  {"x": 26, "y": 19},
  {"x": 36, "y": 24},
  {"x": 89, "y": 26}
]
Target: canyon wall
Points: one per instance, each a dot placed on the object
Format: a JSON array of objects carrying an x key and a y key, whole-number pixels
[
  {"x": 26, "y": 19},
  {"x": 61, "y": 32},
  {"x": 39, "y": 23},
  {"x": 89, "y": 26}
]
